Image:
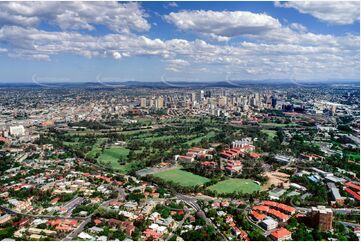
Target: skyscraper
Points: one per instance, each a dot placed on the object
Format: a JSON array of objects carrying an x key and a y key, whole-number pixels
[{"x": 143, "y": 102}]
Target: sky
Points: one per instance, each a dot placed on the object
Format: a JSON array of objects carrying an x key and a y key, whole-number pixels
[{"x": 179, "y": 41}]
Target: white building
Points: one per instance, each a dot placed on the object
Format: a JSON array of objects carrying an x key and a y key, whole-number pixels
[
  {"x": 17, "y": 130},
  {"x": 241, "y": 143},
  {"x": 269, "y": 223}
]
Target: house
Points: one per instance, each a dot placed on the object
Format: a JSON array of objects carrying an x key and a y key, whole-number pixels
[
  {"x": 129, "y": 229},
  {"x": 225, "y": 204},
  {"x": 5, "y": 218},
  {"x": 114, "y": 222},
  {"x": 281, "y": 234},
  {"x": 96, "y": 230},
  {"x": 184, "y": 158},
  {"x": 244, "y": 236},
  {"x": 154, "y": 216},
  {"x": 86, "y": 236},
  {"x": 128, "y": 215},
  {"x": 55, "y": 200},
  {"x": 168, "y": 222},
  {"x": 229, "y": 219},
  {"x": 151, "y": 234}
]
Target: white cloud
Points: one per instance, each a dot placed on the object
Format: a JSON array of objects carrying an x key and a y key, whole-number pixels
[
  {"x": 118, "y": 17},
  {"x": 172, "y": 5},
  {"x": 221, "y": 25},
  {"x": 271, "y": 51},
  {"x": 335, "y": 12},
  {"x": 298, "y": 27},
  {"x": 117, "y": 55}
]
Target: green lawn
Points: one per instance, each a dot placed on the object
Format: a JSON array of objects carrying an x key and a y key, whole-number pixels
[
  {"x": 235, "y": 185},
  {"x": 183, "y": 178},
  {"x": 355, "y": 157},
  {"x": 197, "y": 140},
  {"x": 271, "y": 133},
  {"x": 113, "y": 154},
  {"x": 96, "y": 148}
]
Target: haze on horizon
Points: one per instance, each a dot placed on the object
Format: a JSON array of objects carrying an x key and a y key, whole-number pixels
[{"x": 179, "y": 41}]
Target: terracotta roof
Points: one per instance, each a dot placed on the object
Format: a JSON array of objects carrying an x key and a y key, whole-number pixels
[
  {"x": 281, "y": 206},
  {"x": 353, "y": 185},
  {"x": 258, "y": 216},
  {"x": 281, "y": 233},
  {"x": 354, "y": 194},
  {"x": 278, "y": 214},
  {"x": 261, "y": 208}
]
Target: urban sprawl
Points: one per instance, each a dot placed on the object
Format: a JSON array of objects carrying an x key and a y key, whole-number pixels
[{"x": 251, "y": 163}]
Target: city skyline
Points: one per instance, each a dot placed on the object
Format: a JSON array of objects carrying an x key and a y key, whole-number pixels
[{"x": 179, "y": 41}]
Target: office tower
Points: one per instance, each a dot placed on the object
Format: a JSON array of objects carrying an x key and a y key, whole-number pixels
[
  {"x": 194, "y": 97},
  {"x": 143, "y": 102},
  {"x": 202, "y": 94},
  {"x": 274, "y": 102},
  {"x": 159, "y": 102},
  {"x": 207, "y": 94}
]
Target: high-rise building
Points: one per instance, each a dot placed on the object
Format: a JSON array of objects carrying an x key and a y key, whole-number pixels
[
  {"x": 159, "y": 102},
  {"x": 143, "y": 102},
  {"x": 274, "y": 102},
  {"x": 202, "y": 94},
  {"x": 194, "y": 97},
  {"x": 322, "y": 217},
  {"x": 207, "y": 94}
]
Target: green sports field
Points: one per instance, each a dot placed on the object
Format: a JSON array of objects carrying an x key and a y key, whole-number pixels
[
  {"x": 183, "y": 178},
  {"x": 235, "y": 185},
  {"x": 113, "y": 154}
]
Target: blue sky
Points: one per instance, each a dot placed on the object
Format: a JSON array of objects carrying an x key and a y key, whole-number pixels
[{"x": 179, "y": 41}]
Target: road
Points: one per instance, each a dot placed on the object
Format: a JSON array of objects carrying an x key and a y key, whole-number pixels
[
  {"x": 192, "y": 201},
  {"x": 82, "y": 225},
  {"x": 179, "y": 225},
  {"x": 353, "y": 225},
  {"x": 335, "y": 210}
]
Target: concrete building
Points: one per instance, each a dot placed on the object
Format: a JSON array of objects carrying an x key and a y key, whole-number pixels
[
  {"x": 143, "y": 102},
  {"x": 17, "y": 130},
  {"x": 322, "y": 217},
  {"x": 269, "y": 223}
]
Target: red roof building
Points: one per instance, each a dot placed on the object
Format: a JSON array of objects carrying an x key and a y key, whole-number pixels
[
  {"x": 281, "y": 234},
  {"x": 353, "y": 185},
  {"x": 258, "y": 216},
  {"x": 352, "y": 193}
]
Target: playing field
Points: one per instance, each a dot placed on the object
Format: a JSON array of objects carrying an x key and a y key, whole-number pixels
[
  {"x": 113, "y": 154},
  {"x": 183, "y": 178},
  {"x": 235, "y": 185}
]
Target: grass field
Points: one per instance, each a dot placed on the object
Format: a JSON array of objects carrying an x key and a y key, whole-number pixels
[
  {"x": 235, "y": 185},
  {"x": 113, "y": 154},
  {"x": 198, "y": 139},
  {"x": 271, "y": 133},
  {"x": 183, "y": 178}
]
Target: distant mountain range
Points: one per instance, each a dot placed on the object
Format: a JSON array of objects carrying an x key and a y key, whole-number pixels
[{"x": 139, "y": 84}]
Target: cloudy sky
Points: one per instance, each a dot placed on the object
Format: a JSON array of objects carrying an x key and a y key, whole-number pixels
[{"x": 179, "y": 41}]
